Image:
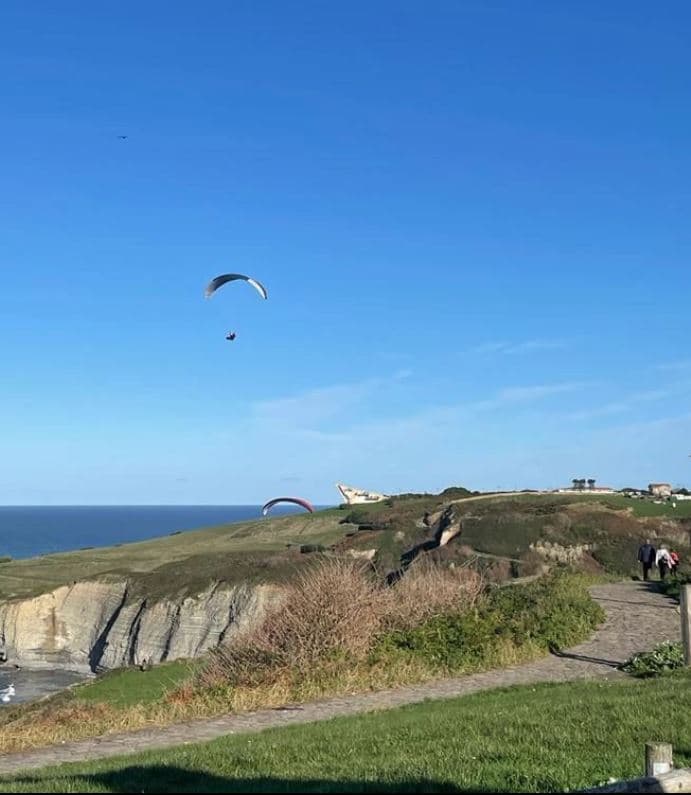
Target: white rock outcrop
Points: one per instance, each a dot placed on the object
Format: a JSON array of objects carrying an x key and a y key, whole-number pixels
[{"x": 93, "y": 626}]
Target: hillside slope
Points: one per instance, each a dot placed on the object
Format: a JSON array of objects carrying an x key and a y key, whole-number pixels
[{"x": 180, "y": 595}]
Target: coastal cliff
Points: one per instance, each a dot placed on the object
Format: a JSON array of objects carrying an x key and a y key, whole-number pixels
[{"x": 95, "y": 626}]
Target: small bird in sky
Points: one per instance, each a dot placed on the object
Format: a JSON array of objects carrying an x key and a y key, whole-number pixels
[{"x": 122, "y": 137}]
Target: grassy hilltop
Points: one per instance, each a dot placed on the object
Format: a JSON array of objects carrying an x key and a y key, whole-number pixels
[
  {"x": 497, "y": 533},
  {"x": 266, "y": 549}
]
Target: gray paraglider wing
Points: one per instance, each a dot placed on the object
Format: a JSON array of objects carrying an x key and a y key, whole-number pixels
[{"x": 219, "y": 281}]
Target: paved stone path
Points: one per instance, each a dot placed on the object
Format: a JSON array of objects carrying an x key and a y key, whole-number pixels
[{"x": 638, "y": 617}]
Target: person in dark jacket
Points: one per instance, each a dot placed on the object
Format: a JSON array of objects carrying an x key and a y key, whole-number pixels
[{"x": 646, "y": 556}]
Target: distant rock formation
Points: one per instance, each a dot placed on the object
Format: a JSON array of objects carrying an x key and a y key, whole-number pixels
[
  {"x": 550, "y": 550},
  {"x": 446, "y": 525},
  {"x": 354, "y": 496}
]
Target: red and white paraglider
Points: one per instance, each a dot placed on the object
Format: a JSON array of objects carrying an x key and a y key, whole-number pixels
[{"x": 295, "y": 500}]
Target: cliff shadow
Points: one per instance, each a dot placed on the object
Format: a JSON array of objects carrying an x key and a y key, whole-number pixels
[
  {"x": 99, "y": 647},
  {"x": 169, "y": 778}
]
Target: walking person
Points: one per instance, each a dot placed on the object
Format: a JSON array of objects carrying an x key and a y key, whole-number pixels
[
  {"x": 646, "y": 557},
  {"x": 663, "y": 560}
]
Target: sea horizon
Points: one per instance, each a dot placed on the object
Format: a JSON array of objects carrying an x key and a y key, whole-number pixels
[{"x": 31, "y": 530}]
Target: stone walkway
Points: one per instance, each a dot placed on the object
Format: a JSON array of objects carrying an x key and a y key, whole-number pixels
[{"x": 638, "y": 617}]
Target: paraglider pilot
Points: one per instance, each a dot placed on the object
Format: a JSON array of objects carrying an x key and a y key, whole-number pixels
[{"x": 230, "y": 335}]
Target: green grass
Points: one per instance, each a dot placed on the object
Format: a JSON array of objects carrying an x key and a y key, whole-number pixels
[
  {"x": 648, "y": 508},
  {"x": 617, "y": 502},
  {"x": 126, "y": 686},
  {"x": 238, "y": 552},
  {"x": 546, "y": 738}
]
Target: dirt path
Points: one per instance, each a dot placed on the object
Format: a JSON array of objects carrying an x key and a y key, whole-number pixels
[{"x": 637, "y": 618}]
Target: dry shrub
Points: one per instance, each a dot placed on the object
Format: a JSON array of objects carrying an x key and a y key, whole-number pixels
[
  {"x": 532, "y": 563},
  {"x": 427, "y": 590},
  {"x": 328, "y": 621},
  {"x": 331, "y": 610},
  {"x": 588, "y": 564},
  {"x": 498, "y": 571},
  {"x": 183, "y": 694}
]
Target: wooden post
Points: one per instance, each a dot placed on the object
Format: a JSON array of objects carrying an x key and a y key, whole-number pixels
[
  {"x": 685, "y": 611},
  {"x": 658, "y": 759}
]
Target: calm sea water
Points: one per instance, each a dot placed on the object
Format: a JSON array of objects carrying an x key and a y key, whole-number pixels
[
  {"x": 29, "y": 685},
  {"x": 26, "y": 531}
]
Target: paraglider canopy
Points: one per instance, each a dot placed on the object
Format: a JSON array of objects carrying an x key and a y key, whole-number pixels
[
  {"x": 296, "y": 500},
  {"x": 219, "y": 281}
]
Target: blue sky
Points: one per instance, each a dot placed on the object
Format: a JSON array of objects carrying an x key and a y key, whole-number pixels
[{"x": 472, "y": 219}]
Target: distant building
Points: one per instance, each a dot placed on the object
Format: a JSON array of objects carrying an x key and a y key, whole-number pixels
[
  {"x": 586, "y": 490},
  {"x": 637, "y": 494},
  {"x": 660, "y": 489}
]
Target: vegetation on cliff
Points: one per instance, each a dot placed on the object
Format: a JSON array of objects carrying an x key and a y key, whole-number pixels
[{"x": 339, "y": 629}]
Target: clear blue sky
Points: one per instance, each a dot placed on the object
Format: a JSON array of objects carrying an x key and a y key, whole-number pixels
[{"x": 472, "y": 219}]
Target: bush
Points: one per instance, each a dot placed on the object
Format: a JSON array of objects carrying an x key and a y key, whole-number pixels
[
  {"x": 427, "y": 591},
  {"x": 672, "y": 586},
  {"x": 334, "y": 613},
  {"x": 555, "y": 611},
  {"x": 337, "y": 626},
  {"x": 663, "y": 658},
  {"x": 456, "y": 493},
  {"x": 330, "y": 610},
  {"x": 531, "y": 562},
  {"x": 618, "y": 554}
]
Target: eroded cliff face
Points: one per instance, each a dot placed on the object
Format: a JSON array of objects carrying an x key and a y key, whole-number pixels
[{"x": 93, "y": 626}]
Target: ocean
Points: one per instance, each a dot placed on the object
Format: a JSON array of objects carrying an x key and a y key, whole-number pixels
[
  {"x": 31, "y": 530},
  {"x": 30, "y": 685},
  {"x": 26, "y": 531}
]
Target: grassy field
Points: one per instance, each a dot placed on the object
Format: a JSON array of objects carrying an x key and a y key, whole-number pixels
[
  {"x": 127, "y": 686},
  {"x": 239, "y": 552},
  {"x": 546, "y": 738},
  {"x": 646, "y": 507},
  {"x": 614, "y": 501}
]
